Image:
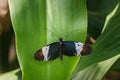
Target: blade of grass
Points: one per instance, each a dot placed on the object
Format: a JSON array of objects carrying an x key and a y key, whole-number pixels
[{"x": 36, "y": 23}]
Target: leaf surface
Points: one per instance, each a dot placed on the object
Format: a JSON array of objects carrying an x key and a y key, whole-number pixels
[{"x": 40, "y": 22}]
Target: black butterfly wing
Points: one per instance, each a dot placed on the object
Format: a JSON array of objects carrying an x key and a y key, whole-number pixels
[
  {"x": 49, "y": 52},
  {"x": 53, "y": 51},
  {"x": 69, "y": 48}
]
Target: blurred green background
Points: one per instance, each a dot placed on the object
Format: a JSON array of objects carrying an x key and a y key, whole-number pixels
[{"x": 97, "y": 13}]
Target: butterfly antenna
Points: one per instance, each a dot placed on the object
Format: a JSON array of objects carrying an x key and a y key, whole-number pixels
[
  {"x": 60, "y": 47},
  {"x": 52, "y": 32}
]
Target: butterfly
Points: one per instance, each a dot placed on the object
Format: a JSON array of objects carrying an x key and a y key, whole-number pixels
[{"x": 57, "y": 49}]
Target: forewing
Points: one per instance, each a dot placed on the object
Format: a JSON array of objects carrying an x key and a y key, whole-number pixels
[
  {"x": 69, "y": 48},
  {"x": 53, "y": 51}
]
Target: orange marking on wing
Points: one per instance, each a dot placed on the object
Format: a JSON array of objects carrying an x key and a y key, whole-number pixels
[
  {"x": 86, "y": 49},
  {"x": 40, "y": 54}
]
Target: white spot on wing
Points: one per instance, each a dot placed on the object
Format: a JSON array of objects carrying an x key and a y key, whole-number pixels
[
  {"x": 79, "y": 47},
  {"x": 45, "y": 52}
]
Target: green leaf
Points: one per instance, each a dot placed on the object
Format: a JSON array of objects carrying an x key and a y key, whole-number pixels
[
  {"x": 107, "y": 45},
  {"x": 40, "y": 22},
  {"x": 97, "y": 12},
  {"x": 102, "y": 6},
  {"x": 12, "y": 75},
  {"x": 116, "y": 66},
  {"x": 96, "y": 71},
  {"x": 104, "y": 50}
]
